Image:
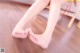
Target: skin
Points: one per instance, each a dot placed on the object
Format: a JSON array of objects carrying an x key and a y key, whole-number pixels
[
  {"x": 38, "y": 6},
  {"x": 42, "y": 40}
]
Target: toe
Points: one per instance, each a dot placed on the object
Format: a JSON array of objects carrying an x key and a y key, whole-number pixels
[
  {"x": 33, "y": 40},
  {"x": 15, "y": 33},
  {"x": 27, "y": 31},
  {"x": 19, "y": 34}
]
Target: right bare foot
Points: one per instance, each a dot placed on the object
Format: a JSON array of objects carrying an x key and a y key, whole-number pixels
[
  {"x": 19, "y": 33},
  {"x": 40, "y": 40}
]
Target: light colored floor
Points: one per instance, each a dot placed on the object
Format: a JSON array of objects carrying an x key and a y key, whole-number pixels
[{"x": 63, "y": 41}]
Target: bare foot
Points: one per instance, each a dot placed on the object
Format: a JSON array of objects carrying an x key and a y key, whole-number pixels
[
  {"x": 20, "y": 33},
  {"x": 41, "y": 40}
]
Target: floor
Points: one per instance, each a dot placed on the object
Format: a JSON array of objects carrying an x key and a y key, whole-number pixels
[{"x": 64, "y": 40}]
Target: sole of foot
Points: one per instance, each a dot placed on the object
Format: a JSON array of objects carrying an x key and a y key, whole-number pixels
[{"x": 40, "y": 40}]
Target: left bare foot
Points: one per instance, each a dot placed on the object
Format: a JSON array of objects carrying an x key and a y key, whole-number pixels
[{"x": 41, "y": 40}]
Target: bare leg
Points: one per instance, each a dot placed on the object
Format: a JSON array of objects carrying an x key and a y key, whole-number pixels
[
  {"x": 39, "y": 5},
  {"x": 43, "y": 40}
]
